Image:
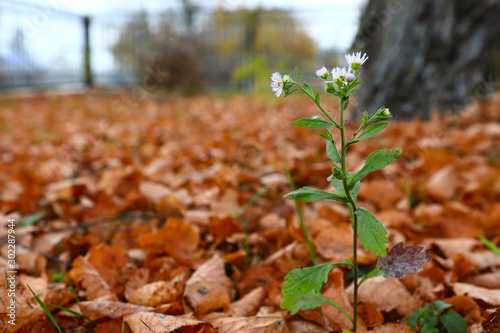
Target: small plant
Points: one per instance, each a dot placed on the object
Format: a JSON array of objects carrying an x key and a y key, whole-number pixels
[
  {"x": 437, "y": 317},
  {"x": 302, "y": 288}
]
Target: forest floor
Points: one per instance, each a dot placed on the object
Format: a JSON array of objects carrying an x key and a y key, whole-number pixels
[{"x": 169, "y": 216}]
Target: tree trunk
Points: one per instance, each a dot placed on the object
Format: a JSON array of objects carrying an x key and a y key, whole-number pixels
[{"x": 428, "y": 54}]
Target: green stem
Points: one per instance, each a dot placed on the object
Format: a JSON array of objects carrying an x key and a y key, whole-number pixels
[
  {"x": 352, "y": 209},
  {"x": 318, "y": 105}
]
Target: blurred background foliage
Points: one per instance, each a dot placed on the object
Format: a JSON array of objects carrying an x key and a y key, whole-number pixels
[{"x": 239, "y": 46}]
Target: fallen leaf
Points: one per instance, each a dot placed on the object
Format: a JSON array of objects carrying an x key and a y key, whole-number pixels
[
  {"x": 257, "y": 324},
  {"x": 176, "y": 238},
  {"x": 158, "y": 322},
  {"x": 154, "y": 294},
  {"x": 490, "y": 296},
  {"x": 208, "y": 288},
  {"x": 95, "y": 310},
  {"x": 248, "y": 304}
]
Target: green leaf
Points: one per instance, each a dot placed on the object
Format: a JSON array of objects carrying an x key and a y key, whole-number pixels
[
  {"x": 454, "y": 322},
  {"x": 414, "y": 318},
  {"x": 371, "y": 231},
  {"x": 429, "y": 328},
  {"x": 308, "y": 90},
  {"x": 339, "y": 188},
  {"x": 305, "y": 283},
  {"x": 365, "y": 119},
  {"x": 310, "y": 194},
  {"x": 312, "y": 300},
  {"x": 440, "y": 305},
  {"x": 312, "y": 123},
  {"x": 31, "y": 219},
  {"x": 376, "y": 160},
  {"x": 371, "y": 130},
  {"x": 326, "y": 136},
  {"x": 316, "y": 99},
  {"x": 332, "y": 152},
  {"x": 373, "y": 273},
  {"x": 300, "y": 282},
  {"x": 297, "y": 72}
]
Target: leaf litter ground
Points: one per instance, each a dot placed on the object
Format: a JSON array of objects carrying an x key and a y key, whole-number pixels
[{"x": 169, "y": 215}]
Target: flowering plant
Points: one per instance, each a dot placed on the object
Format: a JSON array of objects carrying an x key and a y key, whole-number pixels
[{"x": 301, "y": 290}]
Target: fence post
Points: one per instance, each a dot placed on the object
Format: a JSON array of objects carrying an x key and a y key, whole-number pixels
[{"x": 89, "y": 80}]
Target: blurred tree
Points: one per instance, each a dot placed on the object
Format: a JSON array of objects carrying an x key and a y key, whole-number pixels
[
  {"x": 265, "y": 40},
  {"x": 163, "y": 56},
  {"x": 427, "y": 55},
  {"x": 242, "y": 45}
]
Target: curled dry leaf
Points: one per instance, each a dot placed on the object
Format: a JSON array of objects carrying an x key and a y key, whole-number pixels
[
  {"x": 208, "y": 288},
  {"x": 403, "y": 260},
  {"x": 158, "y": 322}
]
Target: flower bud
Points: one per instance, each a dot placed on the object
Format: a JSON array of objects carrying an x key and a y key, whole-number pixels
[
  {"x": 330, "y": 88},
  {"x": 384, "y": 112},
  {"x": 349, "y": 77},
  {"x": 287, "y": 79}
]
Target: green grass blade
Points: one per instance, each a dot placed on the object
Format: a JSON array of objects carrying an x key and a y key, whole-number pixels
[
  {"x": 6, "y": 279},
  {"x": 45, "y": 309},
  {"x": 489, "y": 244},
  {"x": 74, "y": 313}
]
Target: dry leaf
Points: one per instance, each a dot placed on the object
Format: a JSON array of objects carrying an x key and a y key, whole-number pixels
[
  {"x": 154, "y": 294},
  {"x": 208, "y": 288},
  {"x": 158, "y": 322}
]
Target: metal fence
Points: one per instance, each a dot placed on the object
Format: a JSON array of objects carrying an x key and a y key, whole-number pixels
[{"x": 45, "y": 46}]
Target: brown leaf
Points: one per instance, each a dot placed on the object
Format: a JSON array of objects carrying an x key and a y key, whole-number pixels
[
  {"x": 466, "y": 306},
  {"x": 176, "y": 238},
  {"x": 393, "y": 328},
  {"x": 85, "y": 276},
  {"x": 490, "y": 296},
  {"x": 248, "y": 304},
  {"x": 154, "y": 294},
  {"x": 443, "y": 184},
  {"x": 337, "y": 292},
  {"x": 385, "y": 294},
  {"x": 370, "y": 315},
  {"x": 158, "y": 322},
  {"x": 303, "y": 326},
  {"x": 96, "y": 310},
  {"x": 258, "y": 324},
  {"x": 208, "y": 288},
  {"x": 223, "y": 227}
]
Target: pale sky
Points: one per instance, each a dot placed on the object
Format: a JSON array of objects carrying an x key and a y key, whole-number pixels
[
  {"x": 331, "y": 23},
  {"x": 332, "y": 17}
]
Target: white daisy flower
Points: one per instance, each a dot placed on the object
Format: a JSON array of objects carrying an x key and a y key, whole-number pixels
[
  {"x": 341, "y": 74},
  {"x": 322, "y": 73},
  {"x": 355, "y": 60},
  {"x": 277, "y": 84}
]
